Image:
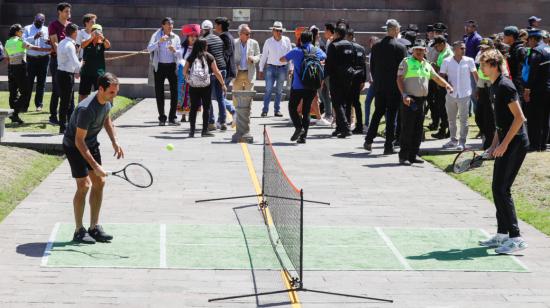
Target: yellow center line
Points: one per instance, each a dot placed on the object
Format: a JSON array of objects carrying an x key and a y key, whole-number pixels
[{"x": 294, "y": 300}]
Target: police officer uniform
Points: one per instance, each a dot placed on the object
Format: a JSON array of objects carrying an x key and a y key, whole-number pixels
[
  {"x": 360, "y": 67},
  {"x": 17, "y": 76}
]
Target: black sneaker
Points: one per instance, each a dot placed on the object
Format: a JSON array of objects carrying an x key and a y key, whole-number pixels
[
  {"x": 343, "y": 135},
  {"x": 162, "y": 123},
  {"x": 53, "y": 121},
  {"x": 367, "y": 146},
  {"x": 278, "y": 114},
  {"x": 296, "y": 135},
  {"x": 82, "y": 236},
  {"x": 264, "y": 114},
  {"x": 16, "y": 119},
  {"x": 404, "y": 162},
  {"x": 99, "y": 235},
  {"x": 416, "y": 160},
  {"x": 335, "y": 133},
  {"x": 302, "y": 139}
]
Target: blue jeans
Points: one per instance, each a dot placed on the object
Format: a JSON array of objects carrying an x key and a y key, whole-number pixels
[
  {"x": 368, "y": 102},
  {"x": 274, "y": 74},
  {"x": 219, "y": 96}
]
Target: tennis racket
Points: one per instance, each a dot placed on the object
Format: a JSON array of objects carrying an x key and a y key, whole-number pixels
[
  {"x": 135, "y": 174},
  {"x": 469, "y": 159}
]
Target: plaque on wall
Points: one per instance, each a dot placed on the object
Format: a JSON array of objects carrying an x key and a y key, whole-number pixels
[{"x": 241, "y": 15}]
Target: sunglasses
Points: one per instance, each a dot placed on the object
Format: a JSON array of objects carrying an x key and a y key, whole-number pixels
[
  {"x": 280, "y": 31},
  {"x": 247, "y": 34}
]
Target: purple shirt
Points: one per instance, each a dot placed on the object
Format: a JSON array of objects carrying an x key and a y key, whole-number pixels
[
  {"x": 58, "y": 28},
  {"x": 472, "y": 44}
]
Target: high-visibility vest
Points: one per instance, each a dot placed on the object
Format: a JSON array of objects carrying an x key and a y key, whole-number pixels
[
  {"x": 481, "y": 75},
  {"x": 444, "y": 55},
  {"x": 15, "y": 49},
  {"x": 417, "y": 69}
]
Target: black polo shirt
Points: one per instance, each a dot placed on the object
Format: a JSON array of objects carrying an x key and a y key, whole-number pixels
[{"x": 502, "y": 93}]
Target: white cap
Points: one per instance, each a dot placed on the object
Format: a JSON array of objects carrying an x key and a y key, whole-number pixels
[{"x": 207, "y": 25}]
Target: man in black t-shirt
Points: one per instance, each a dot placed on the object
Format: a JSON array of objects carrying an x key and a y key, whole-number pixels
[
  {"x": 509, "y": 148},
  {"x": 82, "y": 149}
]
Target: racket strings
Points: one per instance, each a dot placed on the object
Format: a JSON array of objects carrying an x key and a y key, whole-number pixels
[{"x": 138, "y": 175}]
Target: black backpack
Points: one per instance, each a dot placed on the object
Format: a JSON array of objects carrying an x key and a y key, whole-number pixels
[{"x": 312, "y": 71}]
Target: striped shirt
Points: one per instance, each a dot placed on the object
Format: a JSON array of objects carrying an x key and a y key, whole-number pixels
[{"x": 215, "y": 48}]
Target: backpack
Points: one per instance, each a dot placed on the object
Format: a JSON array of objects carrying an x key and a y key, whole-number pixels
[
  {"x": 311, "y": 70},
  {"x": 199, "y": 75}
]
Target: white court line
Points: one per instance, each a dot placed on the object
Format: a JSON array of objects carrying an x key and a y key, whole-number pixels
[
  {"x": 163, "y": 245},
  {"x": 51, "y": 240},
  {"x": 392, "y": 247},
  {"x": 518, "y": 261}
]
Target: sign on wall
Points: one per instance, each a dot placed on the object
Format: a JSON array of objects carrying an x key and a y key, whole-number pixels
[{"x": 241, "y": 15}]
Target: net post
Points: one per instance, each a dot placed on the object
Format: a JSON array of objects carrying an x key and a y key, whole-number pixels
[
  {"x": 263, "y": 163},
  {"x": 301, "y": 282}
]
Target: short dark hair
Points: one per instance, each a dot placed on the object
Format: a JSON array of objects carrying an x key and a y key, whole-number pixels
[
  {"x": 306, "y": 37},
  {"x": 14, "y": 29},
  {"x": 86, "y": 19},
  {"x": 458, "y": 43},
  {"x": 224, "y": 22},
  {"x": 341, "y": 31},
  {"x": 62, "y": 6},
  {"x": 350, "y": 32},
  {"x": 106, "y": 80},
  {"x": 342, "y": 21},
  {"x": 330, "y": 27},
  {"x": 70, "y": 29},
  {"x": 473, "y": 23},
  {"x": 166, "y": 19}
]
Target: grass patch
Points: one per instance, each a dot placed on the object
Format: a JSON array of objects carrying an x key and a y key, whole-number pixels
[
  {"x": 530, "y": 190},
  {"x": 21, "y": 171},
  {"x": 37, "y": 121}
]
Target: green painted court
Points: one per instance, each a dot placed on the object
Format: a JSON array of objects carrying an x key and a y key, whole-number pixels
[{"x": 248, "y": 247}]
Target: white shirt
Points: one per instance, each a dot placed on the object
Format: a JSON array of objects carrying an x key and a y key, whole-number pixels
[
  {"x": 459, "y": 75},
  {"x": 67, "y": 59},
  {"x": 274, "y": 50},
  {"x": 81, "y": 37},
  {"x": 28, "y": 36}
]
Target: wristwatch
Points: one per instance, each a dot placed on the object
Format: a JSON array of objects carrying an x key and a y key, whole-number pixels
[{"x": 405, "y": 95}]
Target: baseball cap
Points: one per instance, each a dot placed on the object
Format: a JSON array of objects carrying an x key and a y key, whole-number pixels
[
  {"x": 511, "y": 31},
  {"x": 207, "y": 25},
  {"x": 534, "y": 18},
  {"x": 97, "y": 27},
  {"x": 486, "y": 43},
  {"x": 535, "y": 33},
  {"x": 191, "y": 29}
]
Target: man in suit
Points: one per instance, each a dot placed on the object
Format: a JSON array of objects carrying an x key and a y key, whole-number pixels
[{"x": 247, "y": 55}]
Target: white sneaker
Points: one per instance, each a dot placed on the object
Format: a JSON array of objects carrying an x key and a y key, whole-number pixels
[
  {"x": 313, "y": 122},
  {"x": 460, "y": 147},
  {"x": 496, "y": 241},
  {"x": 323, "y": 122},
  {"x": 449, "y": 145},
  {"x": 512, "y": 245}
]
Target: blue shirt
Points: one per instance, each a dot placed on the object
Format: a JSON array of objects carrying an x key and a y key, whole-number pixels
[
  {"x": 28, "y": 36},
  {"x": 243, "y": 65},
  {"x": 472, "y": 42},
  {"x": 296, "y": 55}
]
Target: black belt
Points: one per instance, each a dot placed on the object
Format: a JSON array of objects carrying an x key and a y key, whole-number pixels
[
  {"x": 37, "y": 57},
  {"x": 277, "y": 65}
]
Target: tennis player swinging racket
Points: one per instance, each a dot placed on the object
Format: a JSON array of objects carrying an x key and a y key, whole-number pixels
[{"x": 82, "y": 149}]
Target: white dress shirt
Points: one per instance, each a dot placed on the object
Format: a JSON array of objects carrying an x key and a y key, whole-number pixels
[
  {"x": 81, "y": 37},
  {"x": 28, "y": 36},
  {"x": 459, "y": 74},
  {"x": 274, "y": 50},
  {"x": 67, "y": 60}
]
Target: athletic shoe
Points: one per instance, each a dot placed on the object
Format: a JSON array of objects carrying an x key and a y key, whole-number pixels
[
  {"x": 345, "y": 134},
  {"x": 264, "y": 114},
  {"x": 460, "y": 147},
  {"x": 278, "y": 114},
  {"x": 162, "y": 123},
  {"x": 16, "y": 119},
  {"x": 323, "y": 122},
  {"x": 223, "y": 127},
  {"x": 53, "y": 121},
  {"x": 367, "y": 147},
  {"x": 99, "y": 235},
  {"x": 335, "y": 133},
  {"x": 451, "y": 144},
  {"x": 39, "y": 108},
  {"x": 82, "y": 236},
  {"x": 404, "y": 162},
  {"x": 173, "y": 123},
  {"x": 207, "y": 134},
  {"x": 416, "y": 160},
  {"x": 496, "y": 241},
  {"x": 512, "y": 245},
  {"x": 211, "y": 127},
  {"x": 302, "y": 139},
  {"x": 296, "y": 135},
  {"x": 389, "y": 151},
  {"x": 191, "y": 134},
  {"x": 329, "y": 119}
]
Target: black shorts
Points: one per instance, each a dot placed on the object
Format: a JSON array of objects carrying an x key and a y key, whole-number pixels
[
  {"x": 79, "y": 166},
  {"x": 86, "y": 83}
]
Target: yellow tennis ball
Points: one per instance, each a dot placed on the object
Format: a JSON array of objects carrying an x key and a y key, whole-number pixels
[{"x": 170, "y": 147}]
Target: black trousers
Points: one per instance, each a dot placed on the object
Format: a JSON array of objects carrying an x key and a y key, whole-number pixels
[
  {"x": 306, "y": 96},
  {"x": 54, "y": 100},
  {"x": 505, "y": 172},
  {"x": 19, "y": 87},
  {"x": 200, "y": 96},
  {"x": 354, "y": 102},
  {"x": 37, "y": 68},
  {"x": 440, "y": 101},
  {"x": 342, "y": 99},
  {"x": 538, "y": 112},
  {"x": 430, "y": 100},
  {"x": 485, "y": 117},
  {"x": 166, "y": 71},
  {"x": 66, "y": 94},
  {"x": 412, "y": 128},
  {"x": 384, "y": 104}
]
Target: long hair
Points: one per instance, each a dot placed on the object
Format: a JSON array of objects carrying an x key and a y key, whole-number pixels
[{"x": 198, "y": 51}]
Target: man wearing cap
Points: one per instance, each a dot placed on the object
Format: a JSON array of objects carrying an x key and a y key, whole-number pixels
[
  {"x": 385, "y": 59},
  {"x": 438, "y": 28},
  {"x": 37, "y": 61},
  {"x": 221, "y": 28},
  {"x": 444, "y": 52},
  {"x": 516, "y": 56},
  {"x": 94, "y": 61},
  {"x": 534, "y": 22},
  {"x": 459, "y": 70},
  {"x": 275, "y": 71},
  {"x": 162, "y": 48},
  {"x": 412, "y": 79},
  {"x": 247, "y": 55},
  {"x": 537, "y": 91}
]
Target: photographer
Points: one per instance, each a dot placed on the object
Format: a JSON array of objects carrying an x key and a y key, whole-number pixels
[{"x": 94, "y": 61}]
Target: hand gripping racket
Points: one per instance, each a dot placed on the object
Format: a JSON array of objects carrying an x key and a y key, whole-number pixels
[
  {"x": 135, "y": 174},
  {"x": 469, "y": 159}
]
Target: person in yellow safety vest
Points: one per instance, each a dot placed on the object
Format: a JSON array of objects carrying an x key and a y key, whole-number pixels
[
  {"x": 444, "y": 52},
  {"x": 17, "y": 70},
  {"x": 413, "y": 77}
]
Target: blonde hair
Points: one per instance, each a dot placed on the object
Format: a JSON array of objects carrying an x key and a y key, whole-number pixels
[{"x": 492, "y": 57}]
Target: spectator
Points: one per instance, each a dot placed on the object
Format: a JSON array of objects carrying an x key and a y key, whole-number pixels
[
  {"x": 56, "y": 31},
  {"x": 370, "y": 92},
  {"x": 444, "y": 51},
  {"x": 516, "y": 56},
  {"x": 458, "y": 70},
  {"x": 276, "y": 72},
  {"x": 534, "y": 22},
  {"x": 298, "y": 91},
  {"x": 68, "y": 68},
  {"x": 162, "y": 47},
  {"x": 324, "y": 92},
  {"x": 247, "y": 55},
  {"x": 385, "y": 59},
  {"x": 358, "y": 83},
  {"x": 221, "y": 25},
  {"x": 94, "y": 61},
  {"x": 84, "y": 37},
  {"x": 471, "y": 38},
  {"x": 191, "y": 33},
  {"x": 37, "y": 61}
]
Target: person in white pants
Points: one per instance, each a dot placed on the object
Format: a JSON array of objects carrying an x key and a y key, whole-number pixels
[{"x": 458, "y": 70}]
